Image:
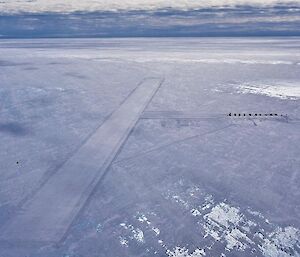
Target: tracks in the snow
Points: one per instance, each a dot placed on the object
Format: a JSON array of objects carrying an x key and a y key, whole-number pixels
[{"x": 49, "y": 213}]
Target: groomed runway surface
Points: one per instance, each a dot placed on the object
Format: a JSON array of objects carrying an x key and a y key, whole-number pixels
[{"x": 124, "y": 147}]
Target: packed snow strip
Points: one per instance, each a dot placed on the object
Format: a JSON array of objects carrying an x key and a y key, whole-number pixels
[
  {"x": 279, "y": 90},
  {"x": 58, "y": 202}
]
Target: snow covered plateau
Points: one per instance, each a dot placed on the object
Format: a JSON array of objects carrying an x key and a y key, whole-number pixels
[{"x": 181, "y": 178}]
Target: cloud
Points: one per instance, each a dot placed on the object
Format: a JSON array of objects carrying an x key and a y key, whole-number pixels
[
  {"x": 130, "y": 18},
  {"x": 217, "y": 21},
  {"x": 69, "y": 6}
]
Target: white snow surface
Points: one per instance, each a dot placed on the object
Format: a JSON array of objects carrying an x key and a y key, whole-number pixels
[
  {"x": 169, "y": 182},
  {"x": 286, "y": 90}
]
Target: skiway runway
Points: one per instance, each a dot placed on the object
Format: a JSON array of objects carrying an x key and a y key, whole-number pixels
[
  {"x": 48, "y": 215},
  {"x": 124, "y": 147}
]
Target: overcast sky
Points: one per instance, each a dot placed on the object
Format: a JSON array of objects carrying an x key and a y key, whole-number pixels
[
  {"x": 13, "y": 6},
  {"x": 106, "y": 18}
]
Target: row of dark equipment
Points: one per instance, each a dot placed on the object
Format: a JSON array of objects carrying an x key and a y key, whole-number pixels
[{"x": 254, "y": 114}]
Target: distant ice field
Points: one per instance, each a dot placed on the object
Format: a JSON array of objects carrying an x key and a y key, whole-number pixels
[{"x": 189, "y": 180}]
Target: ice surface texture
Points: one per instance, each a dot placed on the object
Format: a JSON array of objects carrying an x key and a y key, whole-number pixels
[{"x": 189, "y": 180}]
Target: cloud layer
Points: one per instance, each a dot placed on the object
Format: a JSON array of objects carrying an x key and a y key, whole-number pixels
[
  {"x": 68, "y": 6},
  {"x": 141, "y": 18},
  {"x": 235, "y": 21}
]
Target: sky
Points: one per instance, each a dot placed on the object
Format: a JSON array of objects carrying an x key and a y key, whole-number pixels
[
  {"x": 67, "y": 6},
  {"x": 129, "y": 18}
]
